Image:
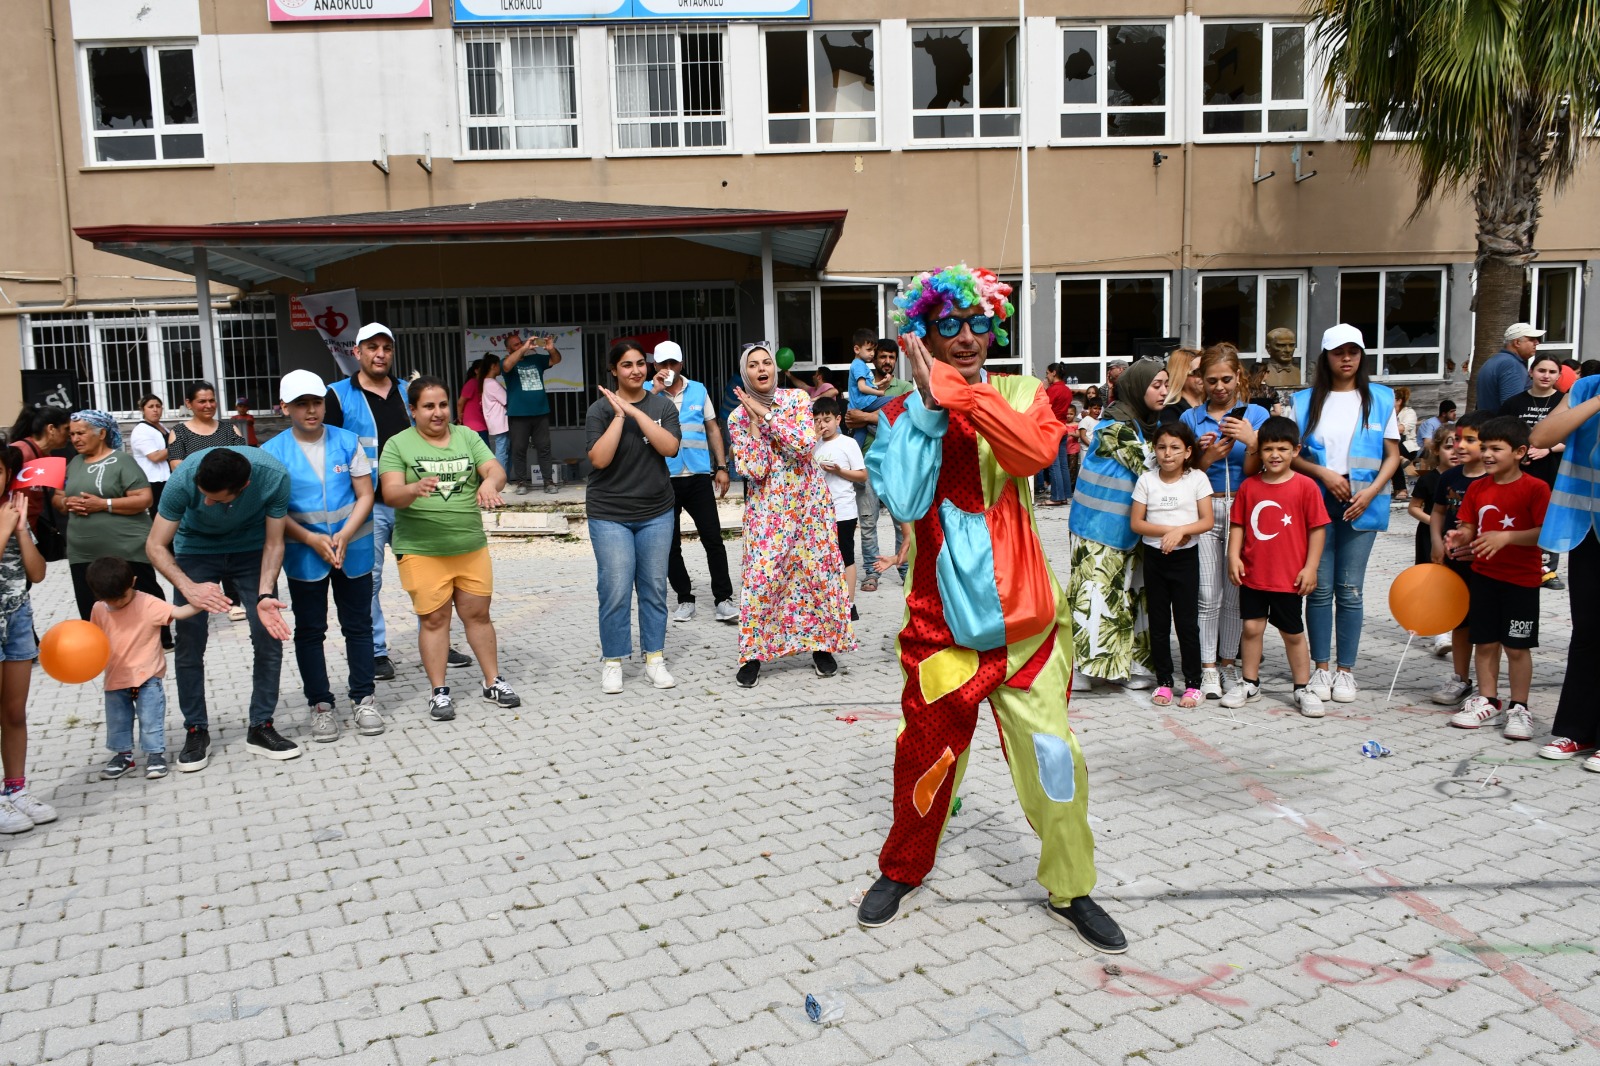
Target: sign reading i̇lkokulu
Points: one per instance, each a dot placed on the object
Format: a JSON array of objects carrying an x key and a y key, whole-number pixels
[{"x": 614, "y": 10}]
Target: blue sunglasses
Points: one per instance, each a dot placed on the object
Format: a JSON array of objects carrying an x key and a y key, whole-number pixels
[{"x": 950, "y": 325}]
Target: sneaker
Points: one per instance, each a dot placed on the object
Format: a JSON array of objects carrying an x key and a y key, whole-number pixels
[
  {"x": 749, "y": 674},
  {"x": 1592, "y": 764},
  {"x": 1519, "y": 723},
  {"x": 1321, "y": 684},
  {"x": 1139, "y": 679},
  {"x": 1081, "y": 682},
  {"x": 369, "y": 723},
  {"x": 1442, "y": 645},
  {"x": 1344, "y": 687},
  {"x": 35, "y": 810},
  {"x": 324, "y": 724},
  {"x": 1211, "y": 683},
  {"x": 383, "y": 668},
  {"x": 155, "y": 765},
  {"x": 1477, "y": 711},
  {"x": 193, "y": 756},
  {"x": 1310, "y": 705},
  {"x": 456, "y": 658},
  {"x": 1452, "y": 691},
  {"x": 611, "y": 676},
  {"x": 1239, "y": 695},
  {"x": 684, "y": 612},
  {"x": 655, "y": 670},
  {"x": 11, "y": 819},
  {"x": 501, "y": 693},
  {"x": 855, "y": 616},
  {"x": 120, "y": 764},
  {"x": 1232, "y": 676},
  {"x": 264, "y": 740},
  {"x": 824, "y": 664},
  {"x": 551, "y": 488},
  {"x": 727, "y": 611},
  {"x": 1555, "y": 584},
  {"x": 237, "y": 614},
  {"x": 1093, "y": 925},
  {"x": 525, "y": 487},
  {"x": 882, "y": 902},
  {"x": 1563, "y": 748},
  {"x": 441, "y": 708}
]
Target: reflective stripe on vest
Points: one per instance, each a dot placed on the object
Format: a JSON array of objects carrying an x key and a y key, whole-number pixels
[
  {"x": 1103, "y": 499},
  {"x": 1575, "y": 500},
  {"x": 1366, "y": 451},
  {"x": 357, "y": 418},
  {"x": 694, "y": 451},
  {"x": 321, "y": 504}
]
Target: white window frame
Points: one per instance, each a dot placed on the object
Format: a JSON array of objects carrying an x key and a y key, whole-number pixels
[
  {"x": 502, "y": 37},
  {"x": 812, "y": 116},
  {"x": 1389, "y": 132},
  {"x": 815, "y": 289},
  {"x": 159, "y": 126},
  {"x": 1105, "y": 357},
  {"x": 1375, "y": 345},
  {"x": 680, "y": 119},
  {"x": 1168, "y": 111},
  {"x": 977, "y": 114},
  {"x": 1569, "y": 349},
  {"x": 1262, "y": 277},
  {"x": 1307, "y": 103}
]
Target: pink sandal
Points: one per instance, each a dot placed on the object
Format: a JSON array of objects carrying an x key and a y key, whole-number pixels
[
  {"x": 1162, "y": 697},
  {"x": 1191, "y": 698}
]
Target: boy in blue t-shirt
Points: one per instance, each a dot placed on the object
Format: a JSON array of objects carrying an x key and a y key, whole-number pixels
[{"x": 867, "y": 391}]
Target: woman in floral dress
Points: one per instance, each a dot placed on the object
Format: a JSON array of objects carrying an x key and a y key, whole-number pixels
[{"x": 794, "y": 597}]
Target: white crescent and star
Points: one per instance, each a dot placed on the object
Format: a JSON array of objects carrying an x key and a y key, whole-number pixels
[
  {"x": 1255, "y": 519},
  {"x": 1506, "y": 521}
]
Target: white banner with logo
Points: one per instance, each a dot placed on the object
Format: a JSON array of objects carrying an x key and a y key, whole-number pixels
[
  {"x": 567, "y": 376},
  {"x": 322, "y": 10},
  {"x": 336, "y": 316}
]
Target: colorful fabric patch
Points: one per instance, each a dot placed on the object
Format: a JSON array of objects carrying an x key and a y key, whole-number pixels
[
  {"x": 929, "y": 783},
  {"x": 945, "y": 671},
  {"x": 1056, "y": 771}
]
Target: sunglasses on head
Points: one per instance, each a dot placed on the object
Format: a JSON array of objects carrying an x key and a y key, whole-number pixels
[
  {"x": 950, "y": 325},
  {"x": 748, "y": 348}
]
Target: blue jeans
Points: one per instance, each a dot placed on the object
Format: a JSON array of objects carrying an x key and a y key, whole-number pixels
[
  {"x": 500, "y": 444},
  {"x": 243, "y": 569},
  {"x": 150, "y": 700},
  {"x": 1336, "y": 604},
  {"x": 1061, "y": 475},
  {"x": 16, "y": 635},
  {"x": 630, "y": 557},
  {"x": 382, "y": 533},
  {"x": 352, "y": 598}
]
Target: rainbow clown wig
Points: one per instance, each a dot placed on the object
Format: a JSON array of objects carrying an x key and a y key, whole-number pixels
[{"x": 934, "y": 295}]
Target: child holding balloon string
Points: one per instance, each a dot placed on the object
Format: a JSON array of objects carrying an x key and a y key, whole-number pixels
[
  {"x": 20, "y": 565},
  {"x": 1447, "y": 500},
  {"x": 1438, "y": 455}
]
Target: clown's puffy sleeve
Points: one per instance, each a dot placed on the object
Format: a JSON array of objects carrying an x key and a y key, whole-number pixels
[
  {"x": 905, "y": 457},
  {"x": 1023, "y": 442}
]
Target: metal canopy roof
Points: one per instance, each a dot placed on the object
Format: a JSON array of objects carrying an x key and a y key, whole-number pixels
[{"x": 249, "y": 254}]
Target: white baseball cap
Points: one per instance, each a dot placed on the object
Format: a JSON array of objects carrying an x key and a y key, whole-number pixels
[
  {"x": 1518, "y": 330},
  {"x": 298, "y": 383},
  {"x": 668, "y": 352},
  {"x": 1342, "y": 334},
  {"x": 373, "y": 329}
]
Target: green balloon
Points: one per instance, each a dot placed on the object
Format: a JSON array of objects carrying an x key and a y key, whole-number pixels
[{"x": 784, "y": 358}]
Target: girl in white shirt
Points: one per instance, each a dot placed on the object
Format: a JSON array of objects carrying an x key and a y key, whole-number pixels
[
  {"x": 148, "y": 443},
  {"x": 1171, "y": 509}
]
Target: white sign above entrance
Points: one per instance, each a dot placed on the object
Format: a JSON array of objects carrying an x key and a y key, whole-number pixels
[
  {"x": 616, "y": 10},
  {"x": 327, "y": 10}
]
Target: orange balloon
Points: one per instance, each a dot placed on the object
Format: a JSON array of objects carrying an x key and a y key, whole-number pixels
[
  {"x": 1428, "y": 599},
  {"x": 74, "y": 651}
]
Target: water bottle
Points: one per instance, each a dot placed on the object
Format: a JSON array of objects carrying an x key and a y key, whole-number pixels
[
  {"x": 1373, "y": 750},
  {"x": 824, "y": 1007}
]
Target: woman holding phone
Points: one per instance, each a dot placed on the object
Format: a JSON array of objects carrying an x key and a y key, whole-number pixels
[{"x": 1225, "y": 431}]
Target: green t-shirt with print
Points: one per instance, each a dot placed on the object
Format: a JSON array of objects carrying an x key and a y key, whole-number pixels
[{"x": 447, "y": 522}]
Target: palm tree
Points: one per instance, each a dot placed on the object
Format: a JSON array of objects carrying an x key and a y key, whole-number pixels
[{"x": 1499, "y": 98}]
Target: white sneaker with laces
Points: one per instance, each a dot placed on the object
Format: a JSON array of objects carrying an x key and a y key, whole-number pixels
[
  {"x": 1232, "y": 676},
  {"x": 1310, "y": 705},
  {"x": 1139, "y": 678},
  {"x": 368, "y": 721},
  {"x": 611, "y": 676},
  {"x": 1321, "y": 684},
  {"x": 1519, "y": 723},
  {"x": 655, "y": 668},
  {"x": 1592, "y": 764},
  {"x": 684, "y": 612},
  {"x": 1452, "y": 691},
  {"x": 727, "y": 611},
  {"x": 37, "y": 811},
  {"x": 1344, "y": 687},
  {"x": 1081, "y": 682},
  {"x": 1210, "y": 683},
  {"x": 11, "y": 819},
  {"x": 1239, "y": 695},
  {"x": 1477, "y": 711},
  {"x": 1442, "y": 645}
]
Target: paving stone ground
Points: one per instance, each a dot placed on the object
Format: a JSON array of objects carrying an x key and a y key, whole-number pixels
[{"x": 661, "y": 877}]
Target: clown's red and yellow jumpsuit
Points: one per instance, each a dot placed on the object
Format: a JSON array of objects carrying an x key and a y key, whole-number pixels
[{"x": 962, "y": 475}]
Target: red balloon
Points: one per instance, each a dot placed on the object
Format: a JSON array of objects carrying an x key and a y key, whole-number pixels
[
  {"x": 1428, "y": 599},
  {"x": 74, "y": 651}
]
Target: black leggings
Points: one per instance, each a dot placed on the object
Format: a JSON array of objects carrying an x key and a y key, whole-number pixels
[{"x": 1172, "y": 589}]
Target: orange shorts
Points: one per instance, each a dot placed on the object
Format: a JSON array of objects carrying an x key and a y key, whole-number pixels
[{"x": 432, "y": 580}]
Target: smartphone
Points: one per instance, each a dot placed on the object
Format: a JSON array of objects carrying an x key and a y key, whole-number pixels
[{"x": 1237, "y": 412}]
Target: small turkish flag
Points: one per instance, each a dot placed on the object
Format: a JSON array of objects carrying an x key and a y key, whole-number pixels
[{"x": 49, "y": 472}]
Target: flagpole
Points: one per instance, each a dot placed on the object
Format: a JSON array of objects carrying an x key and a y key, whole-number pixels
[{"x": 1025, "y": 299}]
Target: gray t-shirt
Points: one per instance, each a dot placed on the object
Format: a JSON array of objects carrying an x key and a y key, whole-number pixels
[{"x": 635, "y": 486}]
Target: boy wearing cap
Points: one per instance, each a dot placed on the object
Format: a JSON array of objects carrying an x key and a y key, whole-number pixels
[
  {"x": 1505, "y": 374},
  {"x": 329, "y": 546}
]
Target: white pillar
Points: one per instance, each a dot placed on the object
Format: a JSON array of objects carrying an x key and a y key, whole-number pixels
[
  {"x": 769, "y": 297},
  {"x": 208, "y": 345}
]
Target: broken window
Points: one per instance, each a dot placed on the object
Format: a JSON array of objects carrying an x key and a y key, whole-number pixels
[
  {"x": 1253, "y": 79},
  {"x": 964, "y": 82},
  {"x": 1401, "y": 315},
  {"x": 821, "y": 86},
  {"x": 1114, "y": 81},
  {"x": 144, "y": 105}
]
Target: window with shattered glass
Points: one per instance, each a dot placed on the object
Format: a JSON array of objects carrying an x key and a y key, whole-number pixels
[
  {"x": 821, "y": 86},
  {"x": 1254, "y": 80},
  {"x": 144, "y": 103},
  {"x": 964, "y": 82},
  {"x": 1114, "y": 82}
]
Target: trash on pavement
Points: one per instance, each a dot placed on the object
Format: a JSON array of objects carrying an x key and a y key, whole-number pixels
[
  {"x": 824, "y": 1007},
  {"x": 1373, "y": 750}
]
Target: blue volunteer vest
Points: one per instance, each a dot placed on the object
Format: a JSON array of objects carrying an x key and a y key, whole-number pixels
[
  {"x": 694, "y": 454},
  {"x": 322, "y": 504},
  {"x": 358, "y": 418},
  {"x": 1103, "y": 500},
  {"x": 1366, "y": 451},
  {"x": 1575, "y": 501}
]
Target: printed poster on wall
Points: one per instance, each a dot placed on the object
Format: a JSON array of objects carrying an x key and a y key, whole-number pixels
[
  {"x": 326, "y": 10},
  {"x": 567, "y": 376}
]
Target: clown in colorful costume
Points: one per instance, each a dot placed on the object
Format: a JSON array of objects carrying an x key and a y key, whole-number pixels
[{"x": 985, "y": 618}]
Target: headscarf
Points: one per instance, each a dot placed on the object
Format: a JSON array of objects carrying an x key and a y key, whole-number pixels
[
  {"x": 1131, "y": 387},
  {"x": 101, "y": 420},
  {"x": 769, "y": 397}
]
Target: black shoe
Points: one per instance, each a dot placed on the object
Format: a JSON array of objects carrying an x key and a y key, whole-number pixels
[
  {"x": 882, "y": 902},
  {"x": 193, "y": 756},
  {"x": 155, "y": 765},
  {"x": 455, "y": 658},
  {"x": 749, "y": 674},
  {"x": 383, "y": 668},
  {"x": 855, "y": 616},
  {"x": 264, "y": 740},
  {"x": 1092, "y": 923},
  {"x": 120, "y": 764},
  {"x": 824, "y": 664},
  {"x": 441, "y": 707}
]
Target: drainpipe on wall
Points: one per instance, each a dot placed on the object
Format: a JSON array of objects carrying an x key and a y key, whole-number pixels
[
  {"x": 63, "y": 205},
  {"x": 1186, "y": 327}
]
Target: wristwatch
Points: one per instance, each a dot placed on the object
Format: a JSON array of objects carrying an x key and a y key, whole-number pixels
[
  {"x": 266, "y": 596},
  {"x": 721, "y": 469}
]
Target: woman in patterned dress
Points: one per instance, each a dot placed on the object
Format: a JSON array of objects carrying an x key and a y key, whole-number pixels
[{"x": 794, "y": 597}]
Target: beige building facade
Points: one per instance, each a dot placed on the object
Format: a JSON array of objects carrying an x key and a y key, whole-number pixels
[{"x": 1184, "y": 179}]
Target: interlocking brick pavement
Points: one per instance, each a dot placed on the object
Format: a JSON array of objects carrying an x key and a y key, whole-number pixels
[{"x": 661, "y": 877}]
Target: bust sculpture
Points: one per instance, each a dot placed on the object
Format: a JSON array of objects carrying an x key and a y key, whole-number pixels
[{"x": 1282, "y": 370}]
